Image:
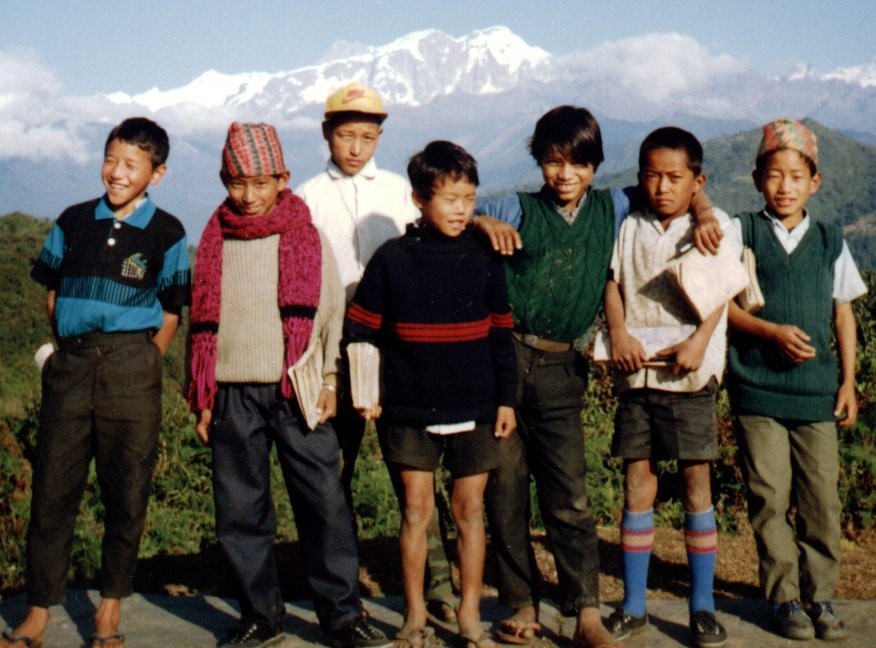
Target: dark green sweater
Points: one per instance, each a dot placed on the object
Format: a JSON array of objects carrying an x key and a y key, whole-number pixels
[
  {"x": 555, "y": 282},
  {"x": 798, "y": 290}
]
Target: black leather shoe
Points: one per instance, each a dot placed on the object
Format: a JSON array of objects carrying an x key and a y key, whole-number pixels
[
  {"x": 359, "y": 634},
  {"x": 621, "y": 625},
  {"x": 707, "y": 630},
  {"x": 253, "y": 634}
]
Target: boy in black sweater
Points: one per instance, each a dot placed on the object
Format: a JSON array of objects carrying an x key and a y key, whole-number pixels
[{"x": 434, "y": 302}]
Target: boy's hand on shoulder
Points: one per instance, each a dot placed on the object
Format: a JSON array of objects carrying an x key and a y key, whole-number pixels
[
  {"x": 707, "y": 234},
  {"x": 504, "y": 238},
  {"x": 326, "y": 404},
  {"x": 202, "y": 425},
  {"x": 627, "y": 353},
  {"x": 792, "y": 342},
  {"x": 846, "y": 408},
  {"x": 506, "y": 422}
]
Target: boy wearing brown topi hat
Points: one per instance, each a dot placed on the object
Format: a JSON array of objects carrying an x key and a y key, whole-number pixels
[{"x": 267, "y": 293}]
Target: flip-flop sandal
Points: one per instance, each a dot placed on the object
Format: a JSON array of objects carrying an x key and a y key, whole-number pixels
[
  {"x": 27, "y": 642},
  {"x": 442, "y": 610},
  {"x": 413, "y": 638},
  {"x": 517, "y": 631},
  {"x": 104, "y": 641}
]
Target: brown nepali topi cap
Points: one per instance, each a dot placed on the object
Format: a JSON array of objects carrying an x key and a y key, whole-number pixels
[
  {"x": 252, "y": 150},
  {"x": 788, "y": 134},
  {"x": 355, "y": 97}
]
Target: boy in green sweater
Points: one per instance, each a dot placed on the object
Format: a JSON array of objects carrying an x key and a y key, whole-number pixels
[{"x": 783, "y": 384}]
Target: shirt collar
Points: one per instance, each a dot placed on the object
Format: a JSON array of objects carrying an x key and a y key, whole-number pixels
[
  {"x": 369, "y": 171},
  {"x": 139, "y": 218},
  {"x": 796, "y": 233},
  {"x": 567, "y": 216}
]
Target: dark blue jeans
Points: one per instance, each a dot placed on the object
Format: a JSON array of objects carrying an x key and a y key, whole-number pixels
[
  {"x": 247, "y": 420},
  {"x": 549, "y": 444}
]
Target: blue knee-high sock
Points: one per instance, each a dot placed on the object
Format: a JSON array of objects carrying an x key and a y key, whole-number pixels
[
  {"x": 701, "y": 542},
  {"x": 637, "y": 539}
]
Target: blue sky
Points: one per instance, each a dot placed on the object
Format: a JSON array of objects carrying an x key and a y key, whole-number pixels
[{"x": 103, "y": 46}]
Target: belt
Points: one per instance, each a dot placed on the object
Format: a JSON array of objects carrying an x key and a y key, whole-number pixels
[
  {"x": 542, "y": 344},
  {"x": 97, "y": 340}
]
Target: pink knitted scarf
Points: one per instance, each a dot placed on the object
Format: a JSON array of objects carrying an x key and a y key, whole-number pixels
[{"x": 300, "y": 263}]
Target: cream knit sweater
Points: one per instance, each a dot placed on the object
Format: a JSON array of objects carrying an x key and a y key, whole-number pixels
[{"x": 250, "y": 337}]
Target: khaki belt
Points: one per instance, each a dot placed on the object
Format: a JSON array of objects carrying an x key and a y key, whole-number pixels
[{"x": 542, "y": 344}]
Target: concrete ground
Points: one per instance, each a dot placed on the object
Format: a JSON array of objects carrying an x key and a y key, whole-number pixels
[{"x": 152, "y": 621}]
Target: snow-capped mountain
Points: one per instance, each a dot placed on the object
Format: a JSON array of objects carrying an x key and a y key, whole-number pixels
[
  {"x": 483, "y": 90},
  {"x": 412, "y": 71}
]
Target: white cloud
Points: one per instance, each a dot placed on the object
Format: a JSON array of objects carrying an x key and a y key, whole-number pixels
[
  {"x": 35, "y": 123},
  {"x": 654, "y": 67}
]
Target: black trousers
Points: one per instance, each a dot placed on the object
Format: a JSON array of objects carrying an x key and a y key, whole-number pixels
[
  {"x": 101, "y": 399},
  {"x": 549, "y": 444}
]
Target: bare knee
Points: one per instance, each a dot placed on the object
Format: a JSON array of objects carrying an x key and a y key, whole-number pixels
[
  {"x": 697, "y": 486},
  {"x": 640, "y": 485}
]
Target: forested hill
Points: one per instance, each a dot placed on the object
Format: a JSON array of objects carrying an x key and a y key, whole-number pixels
[
  {"x": 847, "y": 195},
  {"x": 23, "y": 323}
]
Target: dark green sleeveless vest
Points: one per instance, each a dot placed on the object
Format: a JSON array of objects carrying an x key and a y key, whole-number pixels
[
  {"x": 798, "y": 289},
  {"x": 555, "y": 282}
]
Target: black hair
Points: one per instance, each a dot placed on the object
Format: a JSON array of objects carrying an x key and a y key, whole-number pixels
[
  {"x": 440, "y": 159},
  {"x": 145, "y": 134},
  {"x": 570, "y": 130},
  {"x": 678, "y": 139},
  {"x": 761, "y": 162},
  {"x": 335, "y": 119}
]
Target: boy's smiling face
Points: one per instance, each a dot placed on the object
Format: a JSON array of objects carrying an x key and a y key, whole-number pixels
[
  {"x": 451, "y": 206},
  {"x": 127, "y": 173},
  {"x": 255, "y": 195},
  {"x": 668, "y": 182},
  {"x": 786, "y": 183},
  {"x": 567, "y": 179}
]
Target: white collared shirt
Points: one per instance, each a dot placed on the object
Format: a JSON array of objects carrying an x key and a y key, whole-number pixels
[{"x": 358, "y": 214}]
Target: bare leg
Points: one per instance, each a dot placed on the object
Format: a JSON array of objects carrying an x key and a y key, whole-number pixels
[
  {"x": 589, "y": 632},
  {"x": 33, "y": 627},
  {"x": 418, "y": 501},
  {"x": 106, "y": 623},
  {"x": 467, "y": 505}
]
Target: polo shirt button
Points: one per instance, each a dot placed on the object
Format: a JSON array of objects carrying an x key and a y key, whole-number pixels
[
  {"x": 117, "y": 225},
  {"x": 111, "y": 241}
]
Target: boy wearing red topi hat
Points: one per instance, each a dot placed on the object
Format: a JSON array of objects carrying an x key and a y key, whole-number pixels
[
  {"x": 783, "y": 387},
  {"x": 266, "y": 290}
]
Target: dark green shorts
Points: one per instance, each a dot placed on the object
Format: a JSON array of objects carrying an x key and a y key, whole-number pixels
[{"x": 464, "y": 453}]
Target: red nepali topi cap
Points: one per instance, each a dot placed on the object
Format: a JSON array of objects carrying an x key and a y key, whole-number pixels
[
  {"x": 788, "y": 134},
  {"x": 252, "y": 150}
]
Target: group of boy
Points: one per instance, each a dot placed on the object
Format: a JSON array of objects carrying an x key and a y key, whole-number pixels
[{"x": 481, "y": 369}]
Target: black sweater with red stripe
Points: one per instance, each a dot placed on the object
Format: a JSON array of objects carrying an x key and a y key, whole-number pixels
[{"x": 437, "y": 308}]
